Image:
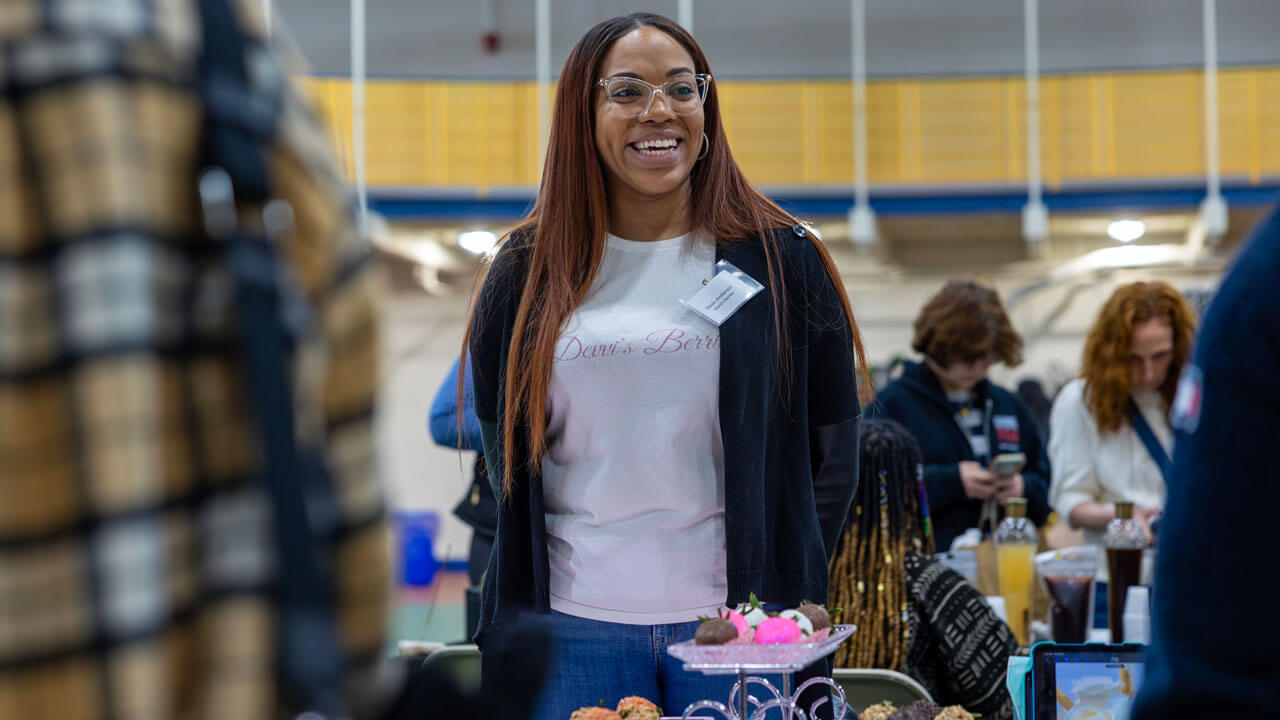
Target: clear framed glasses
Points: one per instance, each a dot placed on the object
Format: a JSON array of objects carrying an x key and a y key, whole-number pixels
[{"x": 631, "y": 97}]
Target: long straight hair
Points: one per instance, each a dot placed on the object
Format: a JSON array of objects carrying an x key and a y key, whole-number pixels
[{"x": 570, "y": 219}]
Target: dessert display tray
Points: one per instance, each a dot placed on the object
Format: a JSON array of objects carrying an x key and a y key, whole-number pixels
[{"x": 733, "y": 659}]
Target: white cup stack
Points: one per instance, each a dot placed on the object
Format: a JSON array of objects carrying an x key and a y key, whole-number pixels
[
  {"x": 1137, "y": 615},
  {"x": 997, "y": 604}
]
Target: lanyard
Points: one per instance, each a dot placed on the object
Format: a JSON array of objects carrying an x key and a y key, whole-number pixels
[{"x": 1148, "y": 437}]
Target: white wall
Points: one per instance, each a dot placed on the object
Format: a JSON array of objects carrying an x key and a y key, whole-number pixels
[{"x": 421, "y": 338}]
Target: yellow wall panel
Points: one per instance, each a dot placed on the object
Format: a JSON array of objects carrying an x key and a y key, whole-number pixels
[
  {"x": 335, "y": 112},
  {"x": 1268, "y": 121},
  {"x": 1078, "y": 142},
  {"x": 1015, "y": 130},
  {"x": 466, "y": 146},
  {"x": 396, "y": 137},
  {"x": 1237, "y": 122},
  {"x": 893, "y": 133},
  {"x": 834, "y": 138},
  {"x": 961, "y": 126},
  {"x": 765, "y": 122},
  {"x": 1158, "y": 121},
  {"x": 924, "y": 131}
]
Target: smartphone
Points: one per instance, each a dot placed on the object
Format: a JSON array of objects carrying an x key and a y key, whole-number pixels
[{"x": 1007, "y": 463}]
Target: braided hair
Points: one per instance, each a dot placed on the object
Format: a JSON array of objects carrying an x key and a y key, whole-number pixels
[{"x": 889, "y": 517}]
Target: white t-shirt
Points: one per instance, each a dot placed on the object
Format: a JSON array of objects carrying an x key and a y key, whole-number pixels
[
  {"x": 633, "y": 477},
  {"x": 1106, "y": 467}
]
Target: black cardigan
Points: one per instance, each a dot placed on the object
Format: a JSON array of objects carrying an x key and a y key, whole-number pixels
[{"x": 790, "y": 469}]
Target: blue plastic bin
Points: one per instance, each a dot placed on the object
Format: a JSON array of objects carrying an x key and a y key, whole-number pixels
[{"x": 417, "y": 533}]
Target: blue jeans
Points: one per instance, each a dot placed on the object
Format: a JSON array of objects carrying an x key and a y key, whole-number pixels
[{"x": 604, "y": 662}]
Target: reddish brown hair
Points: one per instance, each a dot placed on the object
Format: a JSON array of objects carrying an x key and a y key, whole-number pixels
[
  {"x": 569, "y": 221},
  {"x": 1108, "y": 348},
  {"x": 965, "y": 321}
]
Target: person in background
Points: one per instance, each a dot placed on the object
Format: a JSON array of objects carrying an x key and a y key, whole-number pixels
[
  {"x": 653, "y": 464},
  {"x": 963, "y": 420},
  {"x": 477, "y": 508},
  {"x": 1132, "y": 357},
  {"x": 1032, "y": 394},
  {"x": 914, "y": 614},
  {"x": 1215, "y": 645},
  {"x": 137, "y": 554}
]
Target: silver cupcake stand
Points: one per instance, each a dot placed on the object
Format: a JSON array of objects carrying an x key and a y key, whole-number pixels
[{"x": 748, "y": 662}]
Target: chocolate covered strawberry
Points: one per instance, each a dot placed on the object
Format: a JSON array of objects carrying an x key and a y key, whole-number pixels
[
  {"x": 778, "y": 631},
  {"x": 819, "y": 618},
  {"x": 715, "y": 631}
]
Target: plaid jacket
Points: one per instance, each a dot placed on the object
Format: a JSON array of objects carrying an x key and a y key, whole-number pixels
[{"x": 136, "y": 556}]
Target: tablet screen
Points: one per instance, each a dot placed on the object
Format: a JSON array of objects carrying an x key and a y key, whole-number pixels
[{"x": 1086, "y": 682}]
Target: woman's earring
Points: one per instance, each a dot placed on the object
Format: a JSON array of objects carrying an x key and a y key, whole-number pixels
[{"x": 706, "y": 145}]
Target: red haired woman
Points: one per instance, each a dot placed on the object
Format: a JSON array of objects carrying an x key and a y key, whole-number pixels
[
  {"x": 653, "y": 462},
  {"x": 1132, "y": 359}
]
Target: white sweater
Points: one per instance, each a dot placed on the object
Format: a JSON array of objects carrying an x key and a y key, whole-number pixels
[{"x": 1105, "y": 467}]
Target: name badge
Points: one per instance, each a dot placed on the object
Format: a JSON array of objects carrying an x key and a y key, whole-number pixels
[{"x": 722, "y": 295}]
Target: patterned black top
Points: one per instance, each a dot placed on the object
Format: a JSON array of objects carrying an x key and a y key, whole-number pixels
[{"x": 959, "y": 648}]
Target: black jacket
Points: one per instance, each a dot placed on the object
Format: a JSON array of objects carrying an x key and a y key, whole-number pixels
[
  {"x": 790, "y": 470},
  {"x": 1215, "y": 642},
  {"x": 918, "y": 401}
]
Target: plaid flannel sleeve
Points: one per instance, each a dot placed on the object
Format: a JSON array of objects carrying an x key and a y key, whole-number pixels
[{"x": 136, "y": 556}]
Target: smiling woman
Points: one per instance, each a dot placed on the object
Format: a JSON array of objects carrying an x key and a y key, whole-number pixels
[
  {"x": 649, "y": 135},
  {"x": 629, "y": 436}
]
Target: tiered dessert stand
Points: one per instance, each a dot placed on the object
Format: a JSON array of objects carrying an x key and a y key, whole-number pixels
[{"x": 748, "y": 662}]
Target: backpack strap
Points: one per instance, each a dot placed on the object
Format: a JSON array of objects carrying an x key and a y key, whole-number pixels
[
  {"x": 1149, "y": 440},
  {"x": 239, "y": 122}
]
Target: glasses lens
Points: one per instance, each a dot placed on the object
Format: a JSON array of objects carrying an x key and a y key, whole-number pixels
[
  {"x": 630, "y": 96},
  {"x": 684, "y": 94}
]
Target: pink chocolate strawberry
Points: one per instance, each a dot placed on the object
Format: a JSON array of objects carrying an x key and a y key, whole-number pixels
[
  {"x": 778, "y": 631},
  {"x": 738, "y": 619}
]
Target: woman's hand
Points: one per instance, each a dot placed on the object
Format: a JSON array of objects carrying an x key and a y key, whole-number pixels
[
  {"x": 1095, "y": 515},
  {"x": 1143, "y": 516},
  {"x": 1010, "y": 486},
  {"x": 979, "y": 482}
]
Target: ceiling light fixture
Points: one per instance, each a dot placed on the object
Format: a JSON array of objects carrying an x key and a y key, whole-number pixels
[
  {"x": 477, "y": 242},
  {"x": 1126, "y": 231}
]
